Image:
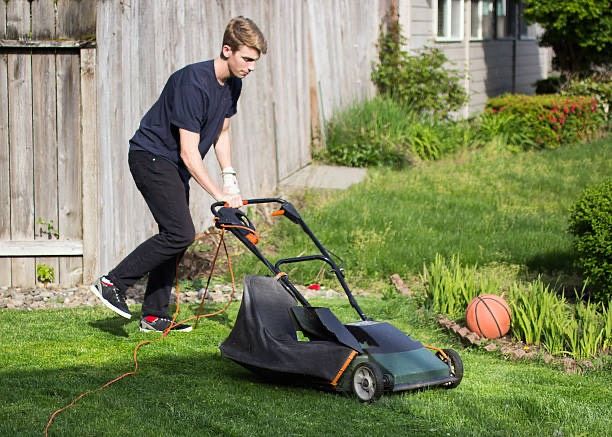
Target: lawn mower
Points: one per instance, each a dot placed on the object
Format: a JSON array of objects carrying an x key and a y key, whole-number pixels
[{"x": 365, "y": 357}]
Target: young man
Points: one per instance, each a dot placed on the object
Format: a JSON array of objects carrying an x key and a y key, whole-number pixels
[{"x": 191, "y": 114}]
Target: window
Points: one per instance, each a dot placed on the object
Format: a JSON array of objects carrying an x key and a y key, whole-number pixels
[
  {"x": 505, "y": 18},
  {"x": 449, "y": 17},
  {"x": 482, "y": 19},
  {"x": 498, "y": 19}
]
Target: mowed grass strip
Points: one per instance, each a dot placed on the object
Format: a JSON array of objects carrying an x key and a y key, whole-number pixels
[{"x": 184, "y": 387}]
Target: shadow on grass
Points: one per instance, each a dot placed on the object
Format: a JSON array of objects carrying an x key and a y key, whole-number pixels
[
  {"x": 553, "y": 261},
  {"x": 113, "y": 325}
]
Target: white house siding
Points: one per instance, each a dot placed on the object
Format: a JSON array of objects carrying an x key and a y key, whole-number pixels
[{"x": 489, "y": 67}]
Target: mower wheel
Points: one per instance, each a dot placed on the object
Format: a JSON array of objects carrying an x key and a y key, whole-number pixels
[
  {"x": 367, "y": 382},
  {"x": 455, "y": 364}
]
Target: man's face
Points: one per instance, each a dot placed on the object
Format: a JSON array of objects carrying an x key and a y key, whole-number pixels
[{"x": 242, "y": 61}]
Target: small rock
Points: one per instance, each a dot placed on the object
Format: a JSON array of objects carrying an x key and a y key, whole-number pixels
[
  {"x": 473, "y": 338},
  {"x": 569, "y": 365},
  {"x": 518, "y": 354},
  {"x": 490, "y": 347},
  {"x": 463, "y": 332}
]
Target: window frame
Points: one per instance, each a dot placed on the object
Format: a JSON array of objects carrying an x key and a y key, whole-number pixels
[
  {"x": 480, "y": 36},
  {"x": 448, "y": 22},
  {"x": 518, "y": 23}
]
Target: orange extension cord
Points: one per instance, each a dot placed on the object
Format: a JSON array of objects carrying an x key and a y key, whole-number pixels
[{"x": 197, "y": 317}]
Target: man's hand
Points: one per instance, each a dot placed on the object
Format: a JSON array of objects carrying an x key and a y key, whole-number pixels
[{"x": 232, "y": 200}]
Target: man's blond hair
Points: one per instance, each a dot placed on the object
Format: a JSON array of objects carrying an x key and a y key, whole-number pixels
[{"x": 241, "y": 31}]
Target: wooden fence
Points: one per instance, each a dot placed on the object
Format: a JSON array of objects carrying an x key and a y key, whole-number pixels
[
  {"x": 41, "y": 212},
  {"x": 73, "y": 108}
]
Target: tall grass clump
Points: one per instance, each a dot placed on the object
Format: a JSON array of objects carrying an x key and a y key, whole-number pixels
[
  {"x": 540, "y": 316},
  {"x": 451, "y": 286},
  {"x": 383, "y": 132}
]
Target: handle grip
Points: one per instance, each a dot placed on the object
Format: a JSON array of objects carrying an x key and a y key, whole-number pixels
[{"x": 215, "y": 206}]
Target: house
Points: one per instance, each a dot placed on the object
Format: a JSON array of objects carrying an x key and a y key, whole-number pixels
[{"x": 488, "y": 40}]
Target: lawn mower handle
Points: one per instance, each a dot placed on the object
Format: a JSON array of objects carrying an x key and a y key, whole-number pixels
[
  {"x": 289, "y": 211},
  {"x": 215, "y": 206}
]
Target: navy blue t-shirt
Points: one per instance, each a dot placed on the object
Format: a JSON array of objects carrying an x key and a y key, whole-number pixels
[{"x": 193, "y": 100}]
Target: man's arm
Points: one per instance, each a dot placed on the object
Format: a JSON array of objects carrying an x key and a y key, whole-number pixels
[
  {"x": 193, "y": 161},
  {"x": 224, "y": 156},
  {"x": 223, "y": 148}
]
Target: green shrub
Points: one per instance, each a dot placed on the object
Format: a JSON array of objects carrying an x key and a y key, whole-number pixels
[
  {"x": 421, "y": 82},
  {"x": 551, "y": 120},
  {"x": 591, "y": 224},
  {"x": 382, "y": 132}
]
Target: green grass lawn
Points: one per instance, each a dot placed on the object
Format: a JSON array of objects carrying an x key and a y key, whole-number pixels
[
  {"x": 186, "y": 388},
  {"x": 486, "y": 207}
]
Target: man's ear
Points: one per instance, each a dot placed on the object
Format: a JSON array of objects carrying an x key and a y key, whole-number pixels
[{"x": 226, "y": 50}]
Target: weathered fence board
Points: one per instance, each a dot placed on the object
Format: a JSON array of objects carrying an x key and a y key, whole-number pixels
[
  {"x": 17, "y": 19},
  {"x": 43, "y": 20},
  {"x": 5, "y": 191},
  {"x": 21, "y": 161},
  {"x": 70, "y": 218},
  {"x": 2, "y": 20},
  {"x": 90, "y": 169},
  {"x": 44, "y": 113},
  {"x": 76, "y": 19}
]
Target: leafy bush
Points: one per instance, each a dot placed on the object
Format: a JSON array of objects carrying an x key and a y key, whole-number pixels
[
  {"x": 598, "y": 86},
  {"x": 421, "y": 82},
  {"x": 549, "y": 121},
  {"x": 577, "y": 30},
  {"x": 591, "y": 224},
  {"x": 382, "y": 132}
]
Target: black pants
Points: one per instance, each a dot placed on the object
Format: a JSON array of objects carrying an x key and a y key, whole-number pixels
[{"x": 168, "y": 199}]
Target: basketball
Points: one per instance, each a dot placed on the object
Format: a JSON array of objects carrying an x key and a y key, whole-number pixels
[{"x": 488, "y": 315}]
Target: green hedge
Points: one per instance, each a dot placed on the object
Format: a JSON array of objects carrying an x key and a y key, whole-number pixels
[
  {"x": 549, "y": 121},
  {"x": 591, "y": 223}
]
